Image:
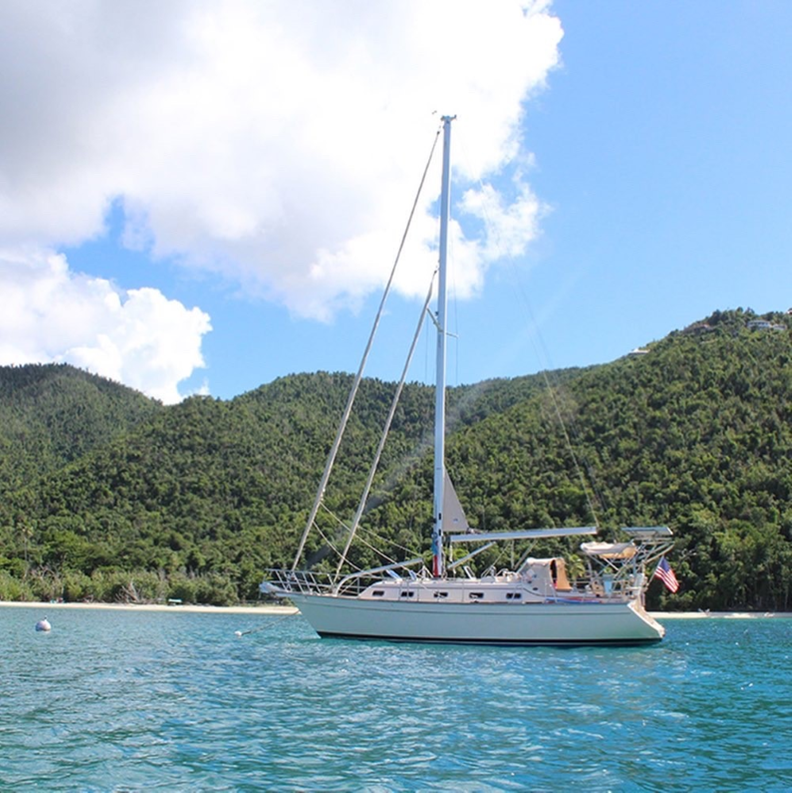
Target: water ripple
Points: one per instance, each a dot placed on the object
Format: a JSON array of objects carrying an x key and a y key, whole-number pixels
[{"x": 138, "y": 701}]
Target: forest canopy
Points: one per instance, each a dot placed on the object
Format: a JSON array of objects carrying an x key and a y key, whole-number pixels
[{"x": 108, "y": 495}]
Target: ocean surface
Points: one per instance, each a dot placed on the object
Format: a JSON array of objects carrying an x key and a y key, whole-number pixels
[{"x": 133, "y": 701}]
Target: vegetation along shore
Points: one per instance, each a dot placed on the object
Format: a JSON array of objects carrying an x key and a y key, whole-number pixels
[{"x": 109, "y": 496}]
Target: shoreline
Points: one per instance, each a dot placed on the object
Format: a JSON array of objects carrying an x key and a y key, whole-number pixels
[
  {"x": 176, "y": 608},
  {"x": 720, "y": 615},
  {"x": 271, "y": 609}
]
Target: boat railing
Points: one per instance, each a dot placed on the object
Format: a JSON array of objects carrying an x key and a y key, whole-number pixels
[
  {"x": 308, "y": 582},
  {"x": 303, "y": 582},
  {"x": 610, "y": 585},
  {"x": 355, "y": 583}
]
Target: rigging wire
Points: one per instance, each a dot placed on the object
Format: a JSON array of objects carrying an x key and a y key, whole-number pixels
[
  {"x": 594, "y": 498},
  {"x": 384, "y": 540},
  {"x": 386, "y": 428},
  {"x": 359, "y": 376},
  {"x": 361, "y": 533}
]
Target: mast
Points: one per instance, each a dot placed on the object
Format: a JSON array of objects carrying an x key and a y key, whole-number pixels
[{"x": 438, "y": 565}]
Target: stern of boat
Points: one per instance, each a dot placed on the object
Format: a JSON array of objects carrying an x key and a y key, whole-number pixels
[{"x": 638, "y": 608}]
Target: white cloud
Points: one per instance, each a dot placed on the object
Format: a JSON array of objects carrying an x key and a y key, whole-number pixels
[
  {"x": 278, "y": 144},
  {"x": 139, "y": 338}
]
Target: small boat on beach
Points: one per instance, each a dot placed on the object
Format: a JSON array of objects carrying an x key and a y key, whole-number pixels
[{"x": 535, "y": 602}]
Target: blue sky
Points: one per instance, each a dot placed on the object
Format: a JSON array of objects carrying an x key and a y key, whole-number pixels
[{"x": 646, "y": 151}]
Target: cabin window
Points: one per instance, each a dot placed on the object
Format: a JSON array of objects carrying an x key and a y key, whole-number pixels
[
  {"x": 476, "y": 596},
  {"x": 378, "y": 593},
  {"x": 441, "y": 594},
  {"x": 408, "y": 594},
  {"x": 513, "y": 596}
]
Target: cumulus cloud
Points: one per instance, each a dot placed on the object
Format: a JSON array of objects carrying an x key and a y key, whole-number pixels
[
  {"x": 139, "y": 338},
  {"x": 278, "y": 144}
]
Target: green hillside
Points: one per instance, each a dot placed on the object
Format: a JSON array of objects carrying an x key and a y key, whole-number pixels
[
  {"x": 124, "y": 498},
  {"x": 696, "y": 434},
  {"x": 53, "y": 414},
  {"x": 208, "y": 493}
]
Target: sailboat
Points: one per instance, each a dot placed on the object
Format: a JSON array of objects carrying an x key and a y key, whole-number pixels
[{"x": 532, "y": 603}]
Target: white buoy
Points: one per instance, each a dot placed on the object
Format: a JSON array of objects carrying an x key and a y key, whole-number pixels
[{"x": 43, "y": 625}]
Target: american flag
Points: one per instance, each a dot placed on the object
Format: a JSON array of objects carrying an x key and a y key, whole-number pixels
[{"x": 666, "y": 575}]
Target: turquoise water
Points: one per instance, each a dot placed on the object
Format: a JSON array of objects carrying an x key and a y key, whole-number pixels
[{"x": 176, "y": 701}]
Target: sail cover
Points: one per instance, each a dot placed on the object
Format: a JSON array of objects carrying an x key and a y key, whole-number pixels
[
  {"x": 453, "y": 515},
  {"x": 609, "y": 550}
]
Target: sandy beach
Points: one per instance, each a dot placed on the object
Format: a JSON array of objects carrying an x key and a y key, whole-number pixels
[
  {"x": 175, "y": 608},
  {"x": 286, "y": 610},
  {"x": 723, "y": 615}
]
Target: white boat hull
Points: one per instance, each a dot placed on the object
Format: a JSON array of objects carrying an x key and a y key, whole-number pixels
[{"x": 553, "y": 623}]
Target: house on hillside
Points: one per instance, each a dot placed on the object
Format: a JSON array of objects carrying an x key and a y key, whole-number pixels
[{"x": 764, "y": 324}]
